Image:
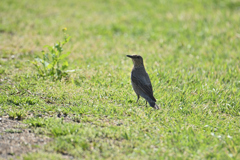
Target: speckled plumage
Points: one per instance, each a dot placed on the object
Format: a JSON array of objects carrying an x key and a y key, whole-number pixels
[{"x": 140, "y": 81}]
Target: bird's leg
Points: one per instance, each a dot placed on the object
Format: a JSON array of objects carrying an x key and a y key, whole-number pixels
[
  {"x": 137, "y": 98},
  {"x": 146, "y": 103}
]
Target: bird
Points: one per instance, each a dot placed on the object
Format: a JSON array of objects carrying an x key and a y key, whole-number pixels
[{"x": 140, "y": 81}]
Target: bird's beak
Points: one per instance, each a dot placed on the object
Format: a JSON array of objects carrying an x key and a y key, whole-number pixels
[{"x": 129, "y": 56}]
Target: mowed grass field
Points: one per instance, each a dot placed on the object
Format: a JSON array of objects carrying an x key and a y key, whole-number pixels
[{"x": 191, "y": 50}]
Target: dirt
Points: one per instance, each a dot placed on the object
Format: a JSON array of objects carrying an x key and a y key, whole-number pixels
[{"x": 17, "y": 139}]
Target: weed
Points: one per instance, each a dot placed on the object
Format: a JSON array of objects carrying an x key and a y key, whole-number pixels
[
  {"x": 12, "y": 115},
  {"x": 17, "y": 114},
  {"x": 13, "y": 131},
  {"x": 53, "y": 63},
  {"x": 77, "y": 118}
]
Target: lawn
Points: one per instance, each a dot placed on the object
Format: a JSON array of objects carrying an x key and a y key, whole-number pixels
[{"x": 191, "y": 51}]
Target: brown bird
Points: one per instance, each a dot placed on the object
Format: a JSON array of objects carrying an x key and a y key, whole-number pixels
[{"x": 140, "y": 81}]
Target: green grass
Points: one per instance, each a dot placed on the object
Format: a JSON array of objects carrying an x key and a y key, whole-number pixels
[{"x": 191, "y": 52}]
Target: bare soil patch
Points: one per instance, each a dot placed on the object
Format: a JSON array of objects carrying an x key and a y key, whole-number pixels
[{"x": 16, "y": 139}]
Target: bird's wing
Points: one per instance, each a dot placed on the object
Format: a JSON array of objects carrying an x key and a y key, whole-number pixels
[{"x": 144, "y": 84}]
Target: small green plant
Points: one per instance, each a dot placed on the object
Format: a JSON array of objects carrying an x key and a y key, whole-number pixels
[
  {"x": 53, "y": 63},
  {"x": 18, "y": 115},
  {"x": 13, "y": 131},
  {"x": 76, "y": 118},
  {"x": 12, "y": 115},
  {"x": 21, "y": 115},
  {"x": 36, "y": 122}
]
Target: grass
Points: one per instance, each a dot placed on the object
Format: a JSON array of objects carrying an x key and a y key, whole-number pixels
[{"x": 190, "y": 50}]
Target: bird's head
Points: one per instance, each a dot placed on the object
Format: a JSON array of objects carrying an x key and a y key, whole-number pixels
[{"x": 137, "y": 60}]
